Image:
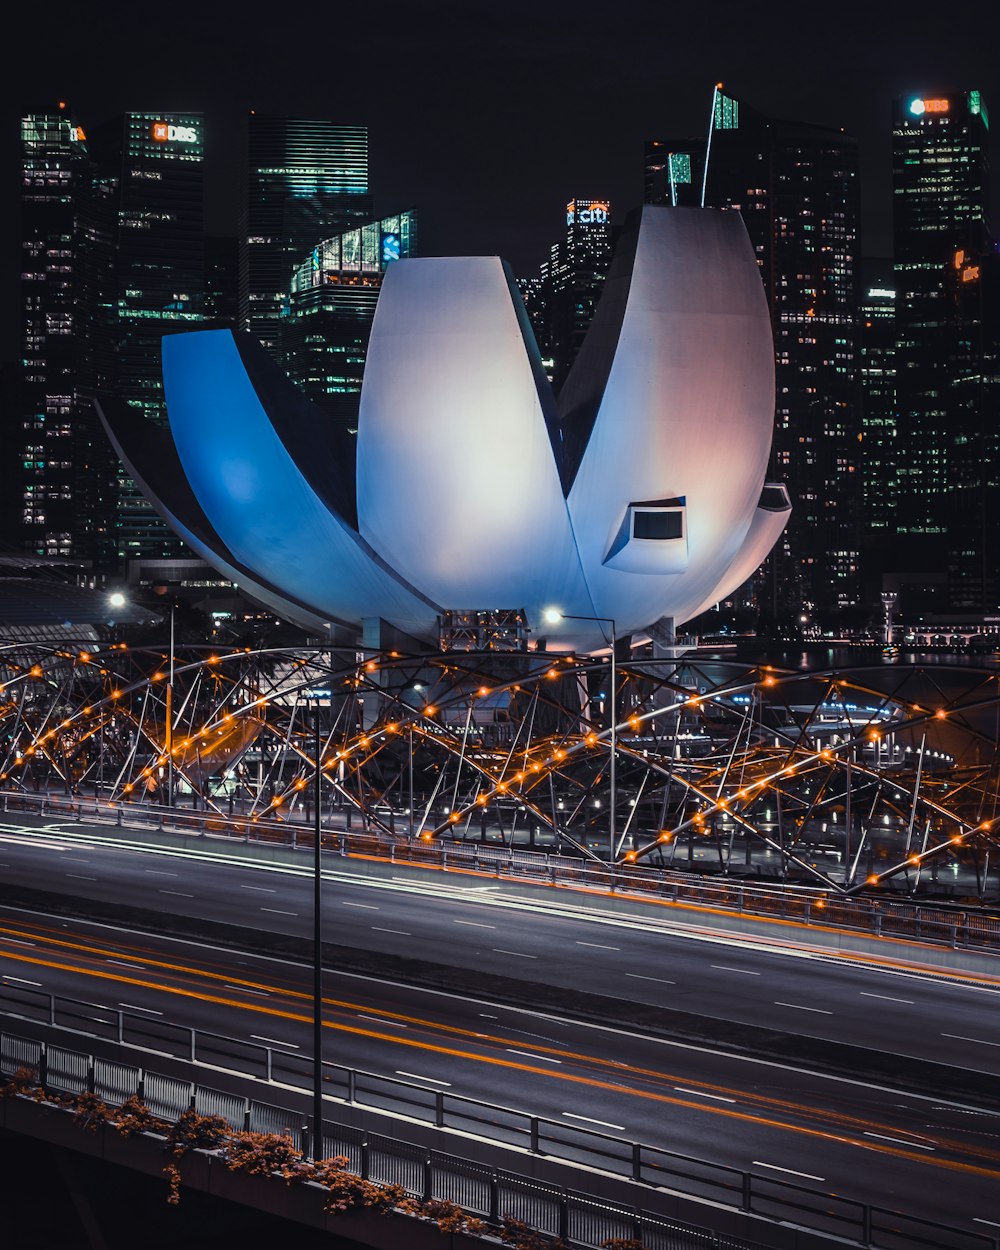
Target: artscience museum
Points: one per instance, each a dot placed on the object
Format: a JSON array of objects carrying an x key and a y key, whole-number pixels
[{"x": 637, "y": 494}]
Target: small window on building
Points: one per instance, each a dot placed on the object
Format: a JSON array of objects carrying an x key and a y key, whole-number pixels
[{"x": 657, "y": 525}]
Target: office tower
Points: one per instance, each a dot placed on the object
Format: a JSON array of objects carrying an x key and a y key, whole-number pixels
[
  {"x": 154, "y": 165},
  {"x": 940, "y": 202},
  {"x": 796, "y": 186},
  {"x": 331, "y": 305},
  {"x": 65, "y": 355},
  {"x": 561, "y": 301},
  {"x": 879, "y": 448},
  {"x": 673, "y": 171},
  {"x": 306, "y": 181}
]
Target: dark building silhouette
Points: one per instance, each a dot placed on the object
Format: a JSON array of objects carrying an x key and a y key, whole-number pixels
[
  {"x": 796, "y": 186},
  {"x": 222, "y": 268},
  {"x": 306, "y": 181}
]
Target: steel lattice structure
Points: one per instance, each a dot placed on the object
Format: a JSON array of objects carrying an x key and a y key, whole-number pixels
[{"x": 846, "y": 779}]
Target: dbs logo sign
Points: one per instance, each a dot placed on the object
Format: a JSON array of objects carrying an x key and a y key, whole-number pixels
[{"x": 165, "y": 133}]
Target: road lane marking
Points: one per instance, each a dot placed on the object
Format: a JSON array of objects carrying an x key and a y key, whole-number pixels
[
  {"x": 724, "y": 968},
  {"x": 798, "y": 1007},
  {"x": 177, "y": 893},
  {"x": 74, "y": 859},
  {"x": 277, "y": 912},
  {"x": 700, "y": 1093},
  {"x": 402, "y": 932},
  {"x": 528, "y": 1055},
  {"x": 414, "y": 1076},
  {"x": 484, "y": 1016},
  {"x": 20, "y": 941},
  {"x": 261, "y": 889},
  {"x": 520, "y": 954},
  {"x": 638, "y": 977},
  {"x": 587, "y": 1120},
  {"x": 991, "y": 1223},
  {"x": 378, "y": 1020},
  {"x": 77, "y": 877},
  {"x": 900, "y": 1141},
  {"x": 136, "y": 1007},
  {"x": 475, "y": 924},
  {"x": 959, "y": 1038},
  {"x": 366, "y": 906},
  {"x": 599, "y": 946},
  {"x": 242, "y": 989},
  {"x": 274, "y": 1041},
  {"x": 157, "y": 872},
  {"x": 886, "y": 998},
  {"x": 757, "y": 1163},
  {"x": 122, "y": 964},
  {"x": 20, "y": 980}
]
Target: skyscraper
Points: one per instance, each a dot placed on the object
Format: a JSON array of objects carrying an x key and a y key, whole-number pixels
[
  {"x": 943, "y": 266},
  {"x": 154, "y": 165},
  {"x": 561, "y": 302},
  {"x": 796, "y": 186},
  {"x": 65, "y": 354},
  {"x": 306, "y": 181},
  {"x": 331, "y": 305},
  {"x": 880, "y": 446}
]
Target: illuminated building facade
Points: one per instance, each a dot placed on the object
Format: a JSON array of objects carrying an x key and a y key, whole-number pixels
[
  {"x": 880, "y": 446},
  {"x": 154, "y": 163},
  {"x": 639, "y": 492},
  {"x": 797, "y": 189},
  {"x": 561, "y": 302},
  {"x": 945, "y": 343},
  {"x": 65, "y": 348},
  {"x": 331, "y": 306},
  {"x": 306, "y": 181}
]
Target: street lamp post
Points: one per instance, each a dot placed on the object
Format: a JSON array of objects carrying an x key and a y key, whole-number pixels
[
  {"x": 553, "y": 615},
  {"x": 169, "y": 738},
  {"x": 315, "y": 697}
]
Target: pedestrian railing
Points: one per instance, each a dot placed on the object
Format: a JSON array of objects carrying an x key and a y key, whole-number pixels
[
  {"x": 388, "y": 1160},
  {"x": 937, "y": 924}
]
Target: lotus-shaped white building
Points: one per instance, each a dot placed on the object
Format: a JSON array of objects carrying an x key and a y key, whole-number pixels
[{"x": 638, "y": 495}]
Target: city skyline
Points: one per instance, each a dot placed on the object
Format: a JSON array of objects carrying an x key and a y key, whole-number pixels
[{"x": 461, "y": 90}]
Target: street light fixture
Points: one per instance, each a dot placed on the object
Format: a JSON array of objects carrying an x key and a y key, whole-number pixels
[
  {"x": 553, "y": 616},
  {"x": 315, "y": 696}
]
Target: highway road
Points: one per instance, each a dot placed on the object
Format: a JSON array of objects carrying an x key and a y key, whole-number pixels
[{"x": 930, "y": 1155}]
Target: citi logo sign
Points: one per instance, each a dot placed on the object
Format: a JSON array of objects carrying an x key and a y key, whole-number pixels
[{"x": 164, "y": 133}]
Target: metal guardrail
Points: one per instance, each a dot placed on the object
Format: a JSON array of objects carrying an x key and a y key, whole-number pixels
[
  {"x": 881, "y": 917},
  {"x": 788, "y": 1201}
]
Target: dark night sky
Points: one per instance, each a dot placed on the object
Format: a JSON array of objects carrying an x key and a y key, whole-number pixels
[{"x": 487, "y": 117}]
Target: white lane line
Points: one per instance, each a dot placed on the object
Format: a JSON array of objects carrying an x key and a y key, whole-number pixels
[
  {"x": 122, "y": 964},
  {"x": 700, "y": 1093},
  {"x": 136, "y": 1007},
  {"x": 157, "y": 872},
  {"x": 274, "y": 1041},
  {"x": 74, "y": 859},
  {"x": 366, "y": 906},
  {"x": 900, "y": 1141},
  {"x": 599, "y": 946},
  {"x": 415, "y": 1076},
  {"x": 277, "y": 912},
  {"x": 261, "y": 889},
  {"x": 19, "y": 941},
  {"x": 394, "y": 1024},
  {"x": 638, "y": 977},
  {"x": 475, "y": 924},
  {"x": 757, "y": 1163},
  {"x": 77, "y": 877},
  {"x": 959, "y": 1038},
  {"x": 886, "y": 998},
  {"x": 991, "y": 1223},
  {"x": 587, "y": 1120},
  {"x": 177, "y": 893},
  {"x": 483, "y": 1016},
  {"x": 528, "y": 1055},
  {"x": 798, "y": 1007},
  {"x": 724, "y": 968},
  {"x": 520, "y": 954},
  {"x": 242, "y": 989},
  {"x": 402, "y": 932},
  {"x": 20, "y": 980}
]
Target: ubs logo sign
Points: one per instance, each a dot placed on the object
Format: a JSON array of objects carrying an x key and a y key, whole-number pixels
[{"x": 165, "y": 133}]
